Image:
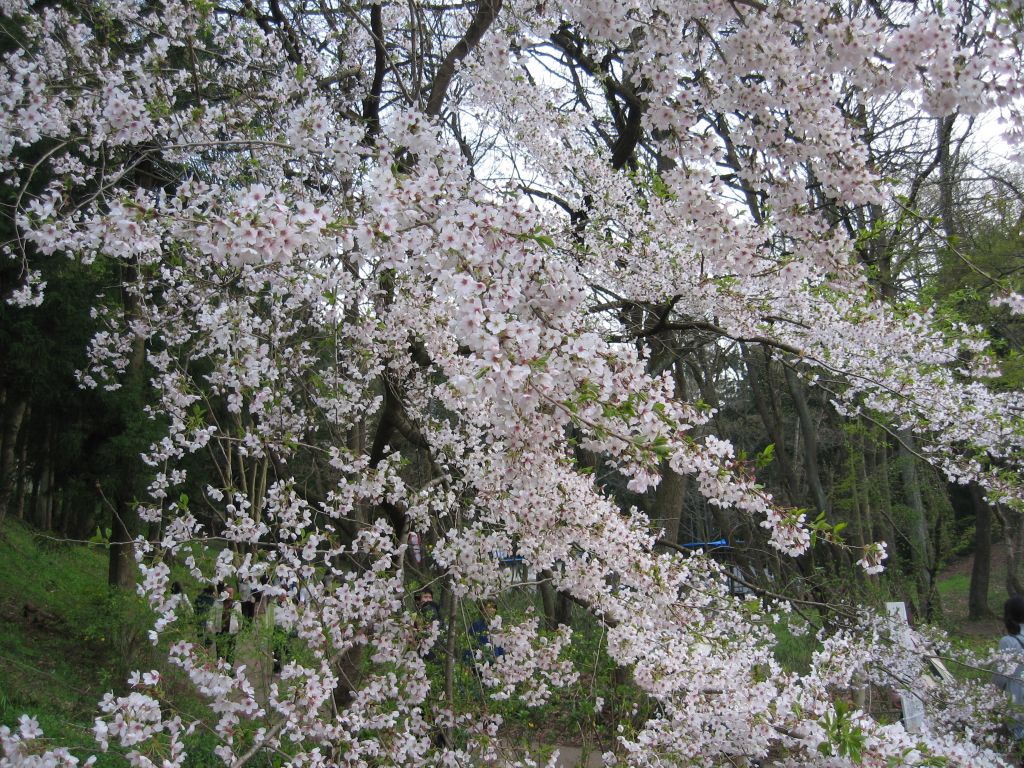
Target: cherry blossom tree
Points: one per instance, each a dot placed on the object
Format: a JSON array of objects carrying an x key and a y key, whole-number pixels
[{"x": 393, "y": 265}]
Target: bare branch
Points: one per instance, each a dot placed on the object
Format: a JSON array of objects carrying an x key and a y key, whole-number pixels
[{"x": 486, "y": 13}]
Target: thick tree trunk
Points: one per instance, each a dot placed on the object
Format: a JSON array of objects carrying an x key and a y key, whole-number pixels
[
  {"x": 557, "y": 604},
  {"x": 121, "y": 564},
  {"x": 63, "y": 513},
  {"x": 918, "y": 529},
  {"x": 121, "y": 568},
  {"x": 870, "y": 493},
  {"x": 861, "y": 504},
  {"x": 41, "y": 508},
  {"x": 947, "y": 175},
  {"x": 50, "y": 507},
  {"x": 1013, "y": 532},
  {"x": 774, "y": 426},
  {"x": 884, "y": 529},
  {"x": 18, "y": 502},
  {"x": 809, "y": 432},
  {"x": 563, "y": 609},
  {"x": 31, "y": 513},
  {"x": 348, "y": 672},
  {"x": 670, "y": 499},
  {"x": 42, "y": 491},
  {"x": 977, "y": 599},
  {"x": 667, "y": 509},
  {"x": 8, "y": 455},
  {"x": 547, "y": 598}
]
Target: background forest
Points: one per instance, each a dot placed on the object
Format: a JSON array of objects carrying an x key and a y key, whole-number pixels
[{"x": 582, "y": 318}]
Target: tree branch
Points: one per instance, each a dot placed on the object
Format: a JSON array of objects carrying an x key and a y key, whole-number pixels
[
  {"x": 371, "y": 104},
  {"x": 485, "y": 14}
]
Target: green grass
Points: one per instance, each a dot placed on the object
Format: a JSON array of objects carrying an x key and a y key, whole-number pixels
[
  {"x": 55, "y": 648},
  {"x": 66, "y": 638},
  {"x": 794, "y": 651},
  {"x": 955, "y": 586}
]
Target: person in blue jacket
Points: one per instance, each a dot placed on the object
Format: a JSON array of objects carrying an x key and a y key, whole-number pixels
[{"x": 1009, "y": 679}]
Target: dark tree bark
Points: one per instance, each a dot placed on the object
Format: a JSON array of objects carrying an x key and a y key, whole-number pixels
[
  {"x": 8, "y": 466},
  {"x": 371, "y": 104},
  {"x": 486, "y": 12},
  {"x": 670, "y": 497},
  {"x": 667, "y": 509},
  {"x": 547, "y": 598},
  {"x": 348, "y": 670},
  {"x": 18, "y": 502},
  {"x": 1013, "y": 532},
  {"x": 884, "y": 529},
  {"x": 809, "y": 432},
  {"x": 41, "y": 482},
  {"x": 121, "y": 564},
  {"x": 977, "y": 598},
  {"x": 557, "y": 604},
  {"x": 858, "y": 491},
  {"x": 563, "y": 609},
  {"x": 918, "y": 530},
  {"x": 773, "y": 425},
  {"x": 864, "y": 482}
]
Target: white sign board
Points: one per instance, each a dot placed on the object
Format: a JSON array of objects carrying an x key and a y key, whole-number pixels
[{"x": 913, "y": 706}]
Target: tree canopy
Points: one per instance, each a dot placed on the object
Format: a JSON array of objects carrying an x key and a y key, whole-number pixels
[{"x": 423, "y": 268}]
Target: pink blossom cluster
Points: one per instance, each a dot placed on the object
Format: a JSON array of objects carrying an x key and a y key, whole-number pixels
[{"x": 25, "y": 748}]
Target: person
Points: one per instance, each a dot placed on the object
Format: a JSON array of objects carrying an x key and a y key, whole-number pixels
[
  {"x": 247, "y": 599},
  {"x": 1013, "y": 643},
  {"x": 282, "y": 635},
  {"x": 205, "y": 601},
  {"x": 230, "y": 615},
  {"x": 181, "y": 598},
  {"x": 478, "y": 633},
  {"x": 426, "y": 606},
  {"x": 428, "y": 611}
]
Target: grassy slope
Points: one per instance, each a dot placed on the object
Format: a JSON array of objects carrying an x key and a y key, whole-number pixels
[{"x": 65, "y": 639}]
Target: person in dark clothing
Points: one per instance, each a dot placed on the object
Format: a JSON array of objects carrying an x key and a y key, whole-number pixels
[
  {"x": 228, "y": 624},
  {"x": 1009, "y": 679},
  {"x": 183, "y": 598},
  {"x": 426, "y": 606},
  {"x": 428, "y": 611},
  {"x": 204, "y": 604},
  {"x": 481, "y": 640},
  {"x": 247, "y": 599},
  {"x": 205, "y": 600}
]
